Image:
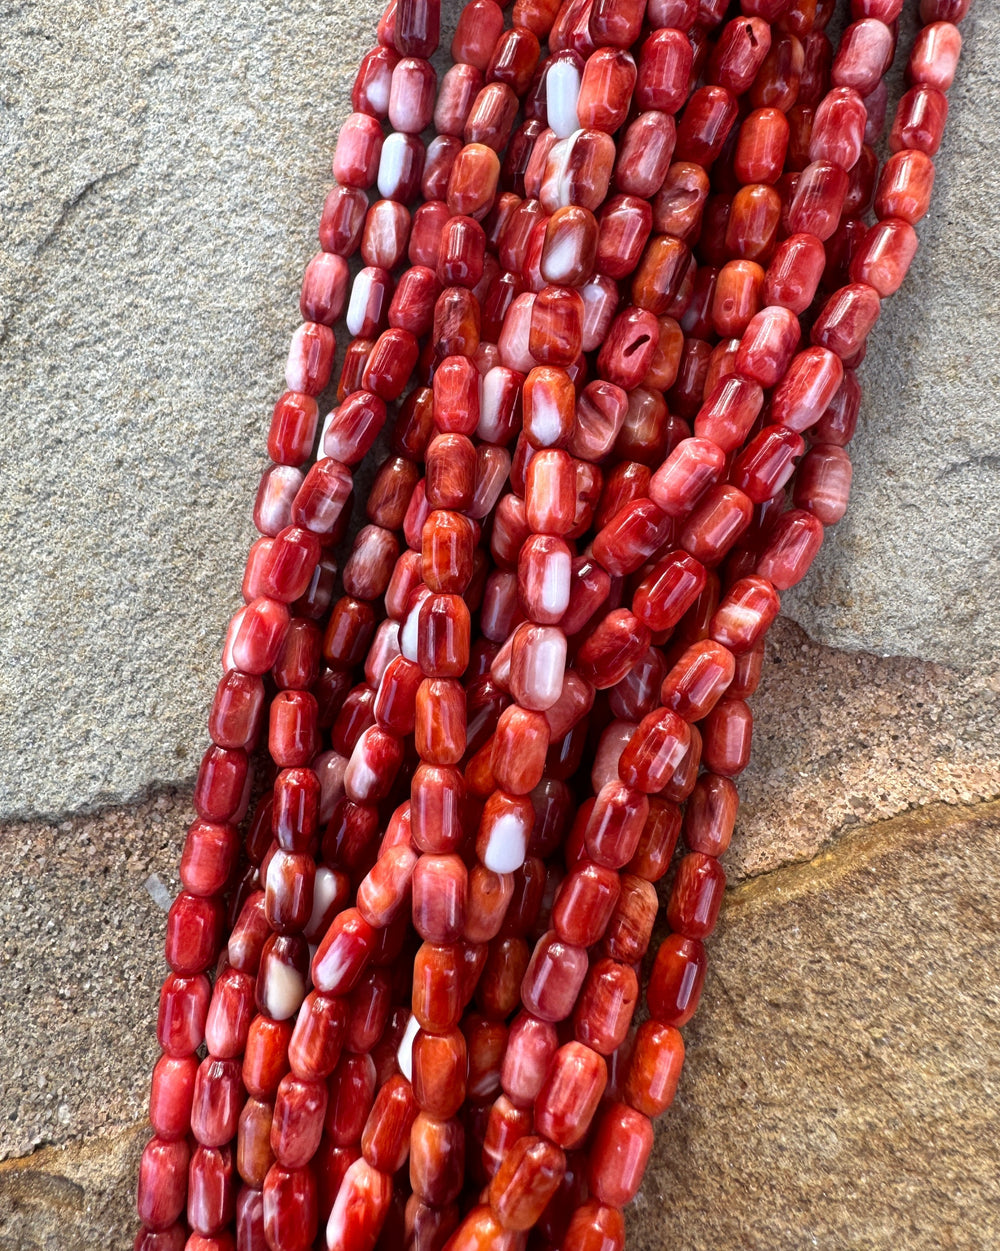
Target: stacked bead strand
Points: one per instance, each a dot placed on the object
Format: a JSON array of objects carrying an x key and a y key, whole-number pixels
[{"x": 692, "y": 534}]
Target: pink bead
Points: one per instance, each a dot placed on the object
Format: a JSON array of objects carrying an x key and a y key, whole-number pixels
[
  {"x": 278, "y": 488},
  {"x": 823, "y": 483},
  {"x": 934, "y": 58},
  {"x": 767, "y": 346},
  {"x": 553, "y": 978},
  {"x": 289, "y": 1209},
  {"x": 170, "y": 1093},
  {"x": 211, "y": 1202},
  {"x": 359, "y": 146},
  {"x": 846, "y": 318},
  {"x": 216, "y": 1103},
  {"x": 370, "y": 93},
  {"x": 343, "y": 220},
  {"x": 838, "y": 130},
  {"x": 411, "y": 95},
  {"x": 386, "y": 234},
  {"x": 531, "y": 1044},
  {"x": 400, "y": 167},
  {"x": 229, "y": 1014},
  {"x": 884, "y": 256},
  {"x": 805, "y": 392},
  {"x": 310, "y": 358},
  {"x": 320, "y": 499},
  {"x": 794, "y": 273},
  {"x": 163, "y": 1174},
  {"x": 864, "y": 53},
  {"x": 791, "y": 547},
  {"x": 324, "y": 289}
]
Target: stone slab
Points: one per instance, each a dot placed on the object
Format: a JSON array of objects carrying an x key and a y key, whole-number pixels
[{"x": 161, "y": 174}]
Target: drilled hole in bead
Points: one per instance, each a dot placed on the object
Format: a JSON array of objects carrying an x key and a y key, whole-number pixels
[{"x": 634, "y": 347}]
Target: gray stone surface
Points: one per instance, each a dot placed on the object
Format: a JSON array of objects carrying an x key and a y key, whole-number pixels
[{"x": 161, "y": 174}]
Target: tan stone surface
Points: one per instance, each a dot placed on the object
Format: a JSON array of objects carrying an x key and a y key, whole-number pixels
[{"x": 842, "y": 1077}]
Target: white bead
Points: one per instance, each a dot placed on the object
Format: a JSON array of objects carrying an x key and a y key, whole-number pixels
[
  {"x": 392, "y": 164},
  {"x": 404, "y": 1056},
  {"x": 562, "y": 91},
  {"x": 284, "y": 990},
  {"x": 507, "y": 844},
  {"x": 556, "y": 583},
  {"x": 325, "y": 886}
]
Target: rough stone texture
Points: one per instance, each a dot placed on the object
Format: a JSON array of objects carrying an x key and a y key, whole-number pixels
[
  {"x": 841, "y": 1080},
  {"x": 162, "y": 174}
]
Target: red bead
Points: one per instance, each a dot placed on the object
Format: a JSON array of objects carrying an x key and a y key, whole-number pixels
[
  {"x": 767, "y": 462},
  {"x": 299, "y": 1109},
  {"x": 865, "y": 51},
  {"x": 391, "y": 363},
  {"x": 343, "y": 220},
  {"x": 570, "y": 1094},
  {"x": 919, "y": 121},
  {"x": 618, "y": 1155},
  {"x": 290, "y": 1209},
  {"x": 216, "y": 1102},
  {"x": 791, "y": 547},
  {"x": 163, "y": 1174},
  {"x": 607, "y": 1002},
  {"x": 696, "y": 896},
  {"x": 595, "y": 1227},
  {"x": 705, "y": 125},
  {"x": 585, "y": 902},
  {"x": 846, "y": 319},
  {"x": 553, "y": 978},
  {"x": 727, "y": 735},
  {"x": 193, "y": 930},
  {"x": 293, "y": 425},
  {"x": 170, "y": 1094},
  {"x": 794, "y": 273},
  {"x": 823, "y": 483},
  {"x": 676, "y": 980},
  {"x": 343, "y": 953},
  {"x": 370, "y": 93},
  {"x": 761, "y": 147}
]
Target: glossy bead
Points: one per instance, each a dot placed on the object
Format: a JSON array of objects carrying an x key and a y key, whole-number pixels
[
  {"x": 439, "y": 719},
  {"x": 631, "y": 537},
  {"x": 608, "y": 1000},
  {"x": 411, "y": 95},
  {"x": 293, "y": 422},
  {"x": 628, "y": 350},
  {"x": 390, "y": 364},
  {"x": 727, "y": 735},
  {"x": 804, "y": 394},
  {"x": 698, "y": 679},
  {"x": 584, "y": 903},
  {"x": 578, "y": 170},
  {"x": 794, "y": 273},
  {"x": 193, "y": 931},
  {"x": 170, "y": 1093},
  {"x": 767, "y": 462},
  {"x": 609, "y": 76},
  {"x": 480, "y": 25},
  {"x": 417, "y": 28},
  {"x": 719, "y": 519},
  {"x": 253, "y": 1152},
  {"x": 385, "y": 1141},
  {"x": 761, "y": 147},
  {"x": 865, "y": 51},
  {"x": 553, "y": 978},
  {"x": 705, "y": 125},
  {"x": 767, "y": 346},
  {"x": 657, "y": 840},
  {"x": 664, "y": 70},
  {"x": 163, "y": 1175},
  {"x": 679, "y": 204},
  {"x": 299, "y": 1110},
  {"x": 777, "y": 82},
  {"x": 343, "y": 219},
  {"x": 736, "y": 298},
  {"x": 612, "y": 649},
  {"x": 618, "y": 1155},
  {"x": 526, "y": 1180},
  {"x": 359, "y": 146},
  {"x": 360, "y": 1208},
  {"x": 823, "y": 483},
  {"x": 846, "y": 319},
  {"x": 549, "y": 405},
  {"x": 791, "y": 547},
  {"x": 744, "y": 614},
  {"x": 290, "y": 1209},
  {"x": 904, "y": 189},
  {"x": 443, "y": 636},
  {"x": 370, "y": 93},
  {"x": 472, "y": 183},
  {"x": 676, "y": 980},
  {"x": 216, "y": 1100},
  {"x": 595, "y": 1227},
  {"x": 570, "y": 1094},
  {"x": 437, "y": 990},
  {"x": 919, "y": 122},
  {"x": 631, "y": 925}
]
